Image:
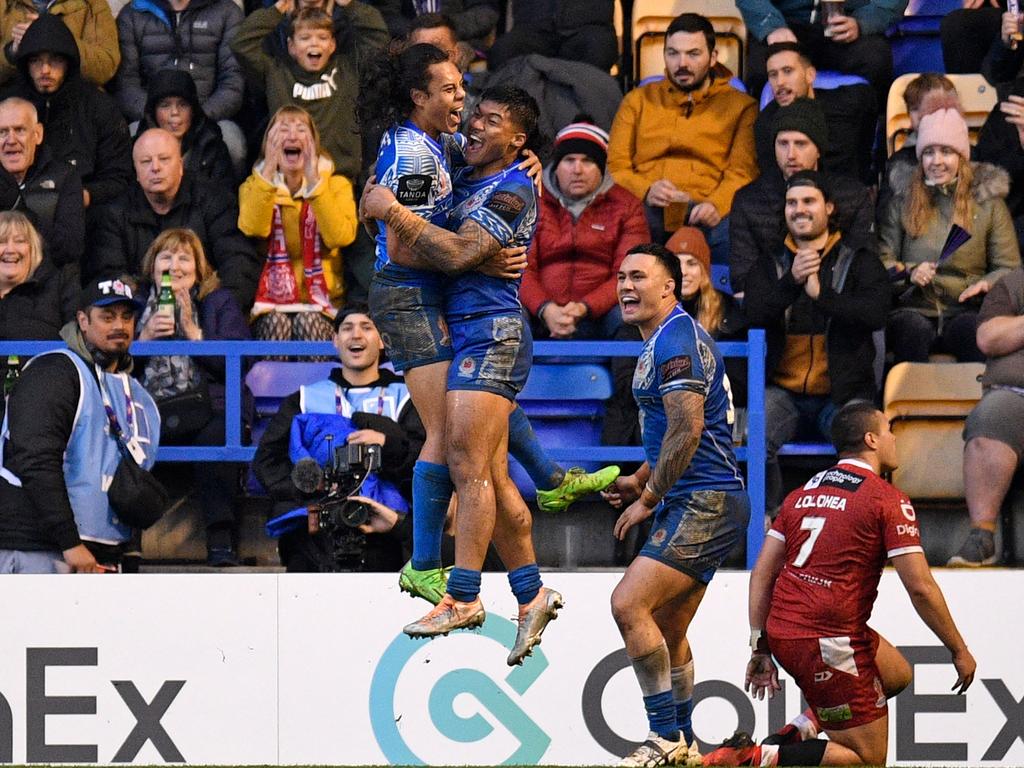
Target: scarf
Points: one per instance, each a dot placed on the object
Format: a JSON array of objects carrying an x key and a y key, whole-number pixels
[
  {"x": 164, "y": 376},
  {"x": 277, "y": 289}
]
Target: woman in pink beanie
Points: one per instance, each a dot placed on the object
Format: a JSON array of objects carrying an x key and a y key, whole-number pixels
[{"x": 940, "y": 278}]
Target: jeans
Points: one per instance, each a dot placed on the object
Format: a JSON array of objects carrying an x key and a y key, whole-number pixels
[
  {"x": 717, "y": 236},
  {"x": 787, "y": 416}
]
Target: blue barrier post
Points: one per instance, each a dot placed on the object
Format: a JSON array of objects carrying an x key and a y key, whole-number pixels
[{"x": 756, "y": 451}]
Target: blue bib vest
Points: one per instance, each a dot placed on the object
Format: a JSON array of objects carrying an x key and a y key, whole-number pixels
[
  {"x": 92, "y": 455},
  {"x": 327, "y": 397}
]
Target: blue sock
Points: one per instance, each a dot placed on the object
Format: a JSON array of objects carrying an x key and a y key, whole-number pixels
[
  {"x": 661, "y": 714},
  {"x": 683, "y": 711},
  {"x": 464, "y": 584},
  {"x": 431, "y": 492},
  {"x": 525, "y": 582},
  {"x": 526, "y": 449}
]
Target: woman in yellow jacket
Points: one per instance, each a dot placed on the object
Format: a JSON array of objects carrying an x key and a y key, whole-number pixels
[{"x": 306, "y": 213}]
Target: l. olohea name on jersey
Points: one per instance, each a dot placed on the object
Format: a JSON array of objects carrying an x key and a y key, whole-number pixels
[{"x": 821, "y": 501}]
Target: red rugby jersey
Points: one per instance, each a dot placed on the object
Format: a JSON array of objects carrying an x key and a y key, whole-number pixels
[{"x": 839, "y": 530}]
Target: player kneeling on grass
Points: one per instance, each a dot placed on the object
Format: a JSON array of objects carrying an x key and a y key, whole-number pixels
[{"x": 811, "y": 593}]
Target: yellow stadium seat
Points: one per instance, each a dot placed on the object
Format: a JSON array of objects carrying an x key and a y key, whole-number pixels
[
  {"x": 977, "y": 98},
  {"x": 652, "y": 17},
  {"x": 927, "y": 404}
]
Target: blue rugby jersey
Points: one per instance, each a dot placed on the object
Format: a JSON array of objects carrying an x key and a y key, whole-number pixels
[
  {"x": 681, "y": 356},
  {"x": 417, "y": 170},
  {"x": 505, "y": 205}
]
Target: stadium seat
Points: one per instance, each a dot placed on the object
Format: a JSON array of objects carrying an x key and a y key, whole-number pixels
[
  {"x": 916, "y": 45},
  {"x": 932, "y": 7},
  {"x": 720, "y": 278},
  {"x": 977, "y": 99},
  {"x": 651, "y": 17},
  {"x": 270, "y": 382},
  {"x": 565, "y": 404},
  {"x": 825, "y": 80},
  {"x": 927, "y": 404}
]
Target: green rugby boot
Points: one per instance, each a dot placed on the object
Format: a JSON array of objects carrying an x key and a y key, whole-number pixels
[
  {"x": 430, "y": 584},
  {"x": 576, "y": 484}
]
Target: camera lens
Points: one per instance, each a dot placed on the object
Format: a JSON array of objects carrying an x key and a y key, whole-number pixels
[{"x": 354, "y": 513}]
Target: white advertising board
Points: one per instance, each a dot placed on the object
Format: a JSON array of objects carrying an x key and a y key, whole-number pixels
[{"x": 291, "y": 669}]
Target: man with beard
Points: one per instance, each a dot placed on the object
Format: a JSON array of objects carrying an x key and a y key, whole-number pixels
[
  {"x": 58, "y": 447},
  {"x": 684, "y": 145},
  {"x": 820, "y": 296}
]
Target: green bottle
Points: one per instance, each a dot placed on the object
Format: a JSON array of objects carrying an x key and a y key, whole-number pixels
[
  {"x": 13, "y": 371},
  {"x": 165, "y": 301}
]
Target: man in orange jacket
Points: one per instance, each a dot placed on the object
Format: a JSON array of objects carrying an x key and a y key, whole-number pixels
[{"x": 684, "y": 145}]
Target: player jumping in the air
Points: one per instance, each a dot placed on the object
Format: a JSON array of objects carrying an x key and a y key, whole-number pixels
[
  {"x": 690, "y": 482},
  {"x": 812, "y": 591},
  {"x": 418, "y": 93},
  {"x": 495, "y": 208}
]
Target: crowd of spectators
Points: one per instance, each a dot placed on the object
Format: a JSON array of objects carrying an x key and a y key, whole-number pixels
[{"x": 220, "y": 146}]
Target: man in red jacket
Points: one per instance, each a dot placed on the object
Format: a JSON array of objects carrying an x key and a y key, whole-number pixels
[{"x": 587, "y": 224}]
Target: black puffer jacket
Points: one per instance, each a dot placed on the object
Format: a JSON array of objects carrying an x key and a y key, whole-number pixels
[
  {"x": 853, "y": 303},
  {"x": 82, "y": 124},
  {"x": 202, "y": 148},
  {"x": 757, "y": 226},
  {"x": 154, "y": 37},
  {"x": 129, "y": 225},
  {"x": 38, "y": 308},
  {"x": 51, "y": 196}
]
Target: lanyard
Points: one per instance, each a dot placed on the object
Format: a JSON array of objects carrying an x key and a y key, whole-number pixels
[
  {"x": 337, "y": 401},
  {"x": 129, "y": 404}
]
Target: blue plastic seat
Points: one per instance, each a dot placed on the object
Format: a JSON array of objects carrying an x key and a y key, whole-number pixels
[
  {"x": 270, "y": 382},
  {"x": 825, "y": 80},
  {"x": 720, "y": 278},
  {"x": 565, "y": 404},
  {"x": 916, "y": 45}
]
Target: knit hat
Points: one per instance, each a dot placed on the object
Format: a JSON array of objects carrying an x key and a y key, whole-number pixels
[
  {"x": 584, "y": 138},
  {"x": 805, "y": 116},
  {"x": 945, "y": 127},
  {"x": 690, "y": 240}
]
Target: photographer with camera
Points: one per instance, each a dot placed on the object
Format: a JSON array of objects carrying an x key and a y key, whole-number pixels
[{"x": 302, "y": 461}]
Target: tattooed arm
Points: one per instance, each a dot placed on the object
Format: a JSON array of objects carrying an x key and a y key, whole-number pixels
[
  {"x": 413, "y": 242},
  {"x": 685, "y": 412},
  {"x": 434, "y": 247}
]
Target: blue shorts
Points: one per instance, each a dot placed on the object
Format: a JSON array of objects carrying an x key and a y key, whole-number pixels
[
  {"x": 696, "y": 532},
  {"x": 493, "y": 353},
  {"x": 410, "y": 318}
]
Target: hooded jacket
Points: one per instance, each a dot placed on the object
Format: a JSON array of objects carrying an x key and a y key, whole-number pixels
[
  {"x": 991, "y": 252},
  {"x": 81, "y": 124},
  {"x": 757, "y": 224},
  {"x": 203, "y": 151},
  {"x": 92, "y": 27},
  {"x": 702, "y": 142},
  {"x": 129, "y": 225},
  {"x": 853, "y": 303},
  {"x": 154, "y": 37},
  {"x": 576, "y": 259}
]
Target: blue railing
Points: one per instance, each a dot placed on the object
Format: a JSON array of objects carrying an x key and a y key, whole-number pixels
[{"x": 233, "y": 353}]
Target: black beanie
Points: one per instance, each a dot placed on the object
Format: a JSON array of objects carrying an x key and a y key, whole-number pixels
[{"x": 805, "y": 116}]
